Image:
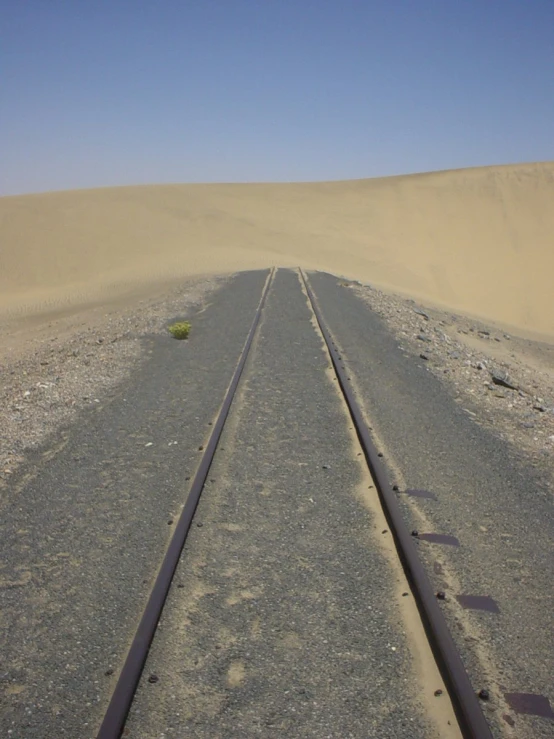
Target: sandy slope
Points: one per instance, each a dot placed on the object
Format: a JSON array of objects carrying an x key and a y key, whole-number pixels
[{"x": 479, "y": 241}]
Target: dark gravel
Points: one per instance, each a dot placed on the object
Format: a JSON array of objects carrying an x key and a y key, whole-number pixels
[{"x": 85, "y": 522}]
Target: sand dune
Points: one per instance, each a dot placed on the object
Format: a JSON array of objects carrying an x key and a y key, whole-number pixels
[{"x": 477, "y": 241}]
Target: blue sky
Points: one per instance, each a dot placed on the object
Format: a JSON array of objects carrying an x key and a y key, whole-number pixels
[{"x": 107, "y": 92}]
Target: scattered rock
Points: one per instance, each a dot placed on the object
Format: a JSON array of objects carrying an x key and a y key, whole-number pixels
[
  {"x": 474, "y": 375},
  {"x": 47, "y": 368},
  {"x": 499, "y": 377}
]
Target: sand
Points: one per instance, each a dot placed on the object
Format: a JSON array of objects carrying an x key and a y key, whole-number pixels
[{"x": 478, "y": 241}]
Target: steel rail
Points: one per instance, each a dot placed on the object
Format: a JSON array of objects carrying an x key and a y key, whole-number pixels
[
  {"x": 116, "y": 714},
  {"x": 473, "y": 724}
]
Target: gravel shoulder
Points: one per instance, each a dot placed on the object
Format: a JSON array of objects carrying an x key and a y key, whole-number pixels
[
  {"x": 52, "y": 367},
  {"x": 504, "y": 382},
  {"x": 447, "y": 433}
]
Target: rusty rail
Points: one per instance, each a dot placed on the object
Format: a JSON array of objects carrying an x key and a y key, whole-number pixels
[
  {"x": 473, "y": 724},
  {"x": 122, "y": 697}
]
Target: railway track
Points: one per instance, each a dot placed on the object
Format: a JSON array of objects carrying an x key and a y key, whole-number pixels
[{"x": 465, "y": 703}]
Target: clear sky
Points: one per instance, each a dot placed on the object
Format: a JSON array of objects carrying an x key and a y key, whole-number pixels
[{"x": 106, "y": 92}]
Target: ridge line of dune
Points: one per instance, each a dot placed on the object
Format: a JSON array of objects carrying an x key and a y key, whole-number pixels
[{"x": 478, "y": 240}]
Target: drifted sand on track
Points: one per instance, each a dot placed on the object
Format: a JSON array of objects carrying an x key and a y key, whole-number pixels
[{"x": 476, "y": 241}]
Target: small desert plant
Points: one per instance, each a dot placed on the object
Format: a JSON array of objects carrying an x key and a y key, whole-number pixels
[{"x": 179, "y": 330}]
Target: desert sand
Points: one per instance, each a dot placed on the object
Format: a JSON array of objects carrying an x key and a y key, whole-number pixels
[{"x": 477, "y": 241}]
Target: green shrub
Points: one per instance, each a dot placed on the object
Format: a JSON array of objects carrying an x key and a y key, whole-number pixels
[{"x": 179, "y": 330}]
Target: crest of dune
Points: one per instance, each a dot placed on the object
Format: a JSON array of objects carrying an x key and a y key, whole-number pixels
[{"x": 477, "y": 241}]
